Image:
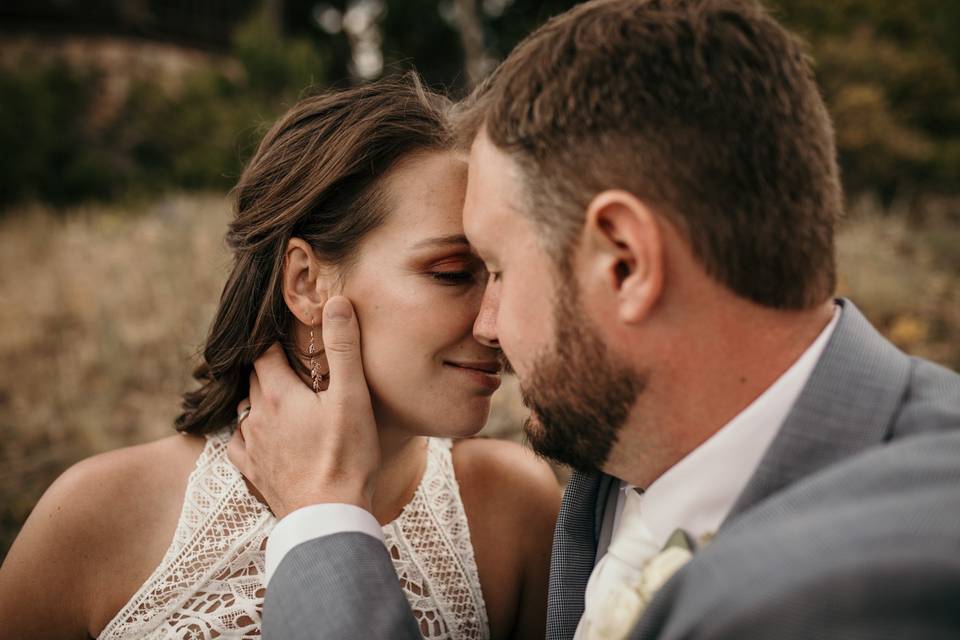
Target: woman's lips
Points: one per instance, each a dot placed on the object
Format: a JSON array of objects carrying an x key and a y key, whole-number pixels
[{"x": 486, "y": 374}]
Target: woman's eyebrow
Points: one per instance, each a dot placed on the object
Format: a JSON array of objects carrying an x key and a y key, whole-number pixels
[{"x": 443, "y": 241}]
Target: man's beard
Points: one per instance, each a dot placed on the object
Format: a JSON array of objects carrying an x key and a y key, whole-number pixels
[{"x": 580, "y": 394}]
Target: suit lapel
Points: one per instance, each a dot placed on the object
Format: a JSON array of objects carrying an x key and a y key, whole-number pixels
[
  {"x": 848, "y": 405},
  {"x": 574, "y": 550},
  {"x": 607, "y": 496}
]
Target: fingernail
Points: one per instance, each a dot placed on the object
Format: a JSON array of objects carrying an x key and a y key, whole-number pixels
[{"x": 337, "y": 309}]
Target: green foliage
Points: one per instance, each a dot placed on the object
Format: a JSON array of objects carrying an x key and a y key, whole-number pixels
[
  {"x": 193, "y": 136},
  {"x": 48, "y": 148},
  {"x": 890, "y": 72},
  {"x": 274, "y": 65}
]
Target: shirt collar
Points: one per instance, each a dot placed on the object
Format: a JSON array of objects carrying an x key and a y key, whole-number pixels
[{"x": 697, "y": 493}]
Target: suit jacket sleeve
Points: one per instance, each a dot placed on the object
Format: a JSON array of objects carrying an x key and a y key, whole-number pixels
[{"x": 334, "y": 587}]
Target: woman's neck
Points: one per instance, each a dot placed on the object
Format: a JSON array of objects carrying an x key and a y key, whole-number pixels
[{"x": 403, "y": 459}]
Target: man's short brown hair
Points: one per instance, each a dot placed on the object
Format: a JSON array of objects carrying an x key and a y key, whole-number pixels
[{"x": 705, "y": 109}]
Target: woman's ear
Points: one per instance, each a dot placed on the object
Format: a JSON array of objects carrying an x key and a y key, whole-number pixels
[
  {"x": 306, "y": 284},
  {"x": 625, "y": 249}
]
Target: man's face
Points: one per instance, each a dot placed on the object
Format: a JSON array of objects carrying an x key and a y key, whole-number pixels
[
  {"x": 578, "y": 391},
  {"x": 515, "y": 313}
]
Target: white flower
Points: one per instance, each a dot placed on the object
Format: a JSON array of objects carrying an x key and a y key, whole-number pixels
[
  {"x": 622, "y": 605},
  {"x": 661, "y": 568},
  {"x": 618, "y": 613}
]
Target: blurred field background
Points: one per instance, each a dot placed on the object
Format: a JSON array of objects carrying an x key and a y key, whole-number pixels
[{"x": 124, "y": 124}]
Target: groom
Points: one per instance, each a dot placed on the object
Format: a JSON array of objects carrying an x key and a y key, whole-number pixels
[{"x": 653, "y": 189}]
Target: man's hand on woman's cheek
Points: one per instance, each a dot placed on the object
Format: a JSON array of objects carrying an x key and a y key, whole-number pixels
[{"x": 300, "y": 448}]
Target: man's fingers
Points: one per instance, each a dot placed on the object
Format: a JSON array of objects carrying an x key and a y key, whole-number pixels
[
  {"x": 273, "y": 370},
  {"x": 255, "y": 396},
  {"x": 237, "y": 452},
  {"x": 341, "y": 340}
]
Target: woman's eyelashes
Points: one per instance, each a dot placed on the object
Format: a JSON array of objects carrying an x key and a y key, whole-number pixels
[
  {"x": 454, "y": 277},
  {"x": 458, "y": 273}
]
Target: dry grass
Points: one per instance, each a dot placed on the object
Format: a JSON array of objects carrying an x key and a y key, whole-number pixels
[
  {"x": 906, "y": 277},
  {"x": 103, "y": 310},
  {"x": 102, "y": 313}
]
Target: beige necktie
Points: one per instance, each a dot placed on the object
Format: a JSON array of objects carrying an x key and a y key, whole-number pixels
[{"x": 628, "y": 575}]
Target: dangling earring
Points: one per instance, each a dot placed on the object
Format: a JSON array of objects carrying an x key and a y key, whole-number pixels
[{"x": 315, "y": 374}]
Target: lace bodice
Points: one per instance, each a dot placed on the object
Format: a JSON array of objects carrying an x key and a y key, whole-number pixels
[{"x": 210, "y": 583}]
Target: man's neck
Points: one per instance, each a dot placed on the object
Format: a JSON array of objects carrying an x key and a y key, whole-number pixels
[{"x": 706, "y": 378}]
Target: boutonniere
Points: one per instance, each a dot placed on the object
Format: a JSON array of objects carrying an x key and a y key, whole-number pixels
[{"x": 619, "y": 613}]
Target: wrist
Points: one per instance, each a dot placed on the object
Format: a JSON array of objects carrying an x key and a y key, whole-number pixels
[{"x": 352, "y": 498}]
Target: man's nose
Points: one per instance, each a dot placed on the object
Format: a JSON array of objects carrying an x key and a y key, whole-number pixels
[{"x": 485, "y": 326}]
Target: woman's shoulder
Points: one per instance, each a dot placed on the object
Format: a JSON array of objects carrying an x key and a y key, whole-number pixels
[
  {"x": 106, "y": 522},
  {"x": 132, "y": 477},
  {"x": 507, "y": 490},
  {"x": 128, "y": 498},
  {"x": 503, "y": 474},
  {"x": 511, "y": 499}
]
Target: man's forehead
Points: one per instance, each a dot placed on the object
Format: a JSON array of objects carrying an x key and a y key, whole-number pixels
[
  {"x": 493, "y": 186},
  {"x": 478, "y": 203},
  {"x": 487, "y": 157}
]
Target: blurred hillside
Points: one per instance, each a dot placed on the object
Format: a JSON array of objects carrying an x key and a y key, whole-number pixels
[{"x": 122, "y": 104}]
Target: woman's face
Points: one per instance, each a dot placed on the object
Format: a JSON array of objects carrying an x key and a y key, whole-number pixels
[{"x": 416, "y": 288}]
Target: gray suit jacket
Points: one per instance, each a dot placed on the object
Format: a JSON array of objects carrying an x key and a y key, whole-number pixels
[{"x": 849, "y": 528}]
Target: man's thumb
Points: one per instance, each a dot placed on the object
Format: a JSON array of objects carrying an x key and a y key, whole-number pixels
[{"x": 341, "y": 340}]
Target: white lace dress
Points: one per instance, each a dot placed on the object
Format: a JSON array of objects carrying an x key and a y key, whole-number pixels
[{"x": 210, "y": 583}]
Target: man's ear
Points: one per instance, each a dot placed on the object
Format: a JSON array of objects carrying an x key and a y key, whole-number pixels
[
  {"x": 306, "y": 284},
  {"x": 625, "y": 251}
]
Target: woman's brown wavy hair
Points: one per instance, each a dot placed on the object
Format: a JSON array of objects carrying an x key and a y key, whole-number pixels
[{"x": 316, "y": 175}]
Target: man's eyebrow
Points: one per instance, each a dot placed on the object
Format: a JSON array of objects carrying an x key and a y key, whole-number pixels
[{"x": 443, "y": 241}]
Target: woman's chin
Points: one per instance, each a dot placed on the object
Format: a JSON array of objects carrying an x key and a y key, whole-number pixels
[
  {"x": 464, "y": 428},
  {"x": 463, "y": 424},
  {"x": 462, "y": 418}
]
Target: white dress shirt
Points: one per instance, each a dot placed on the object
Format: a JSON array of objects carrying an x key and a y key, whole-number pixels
[
  {"x": 316, "y": 521},
  {"x": 697, "y": 493}
]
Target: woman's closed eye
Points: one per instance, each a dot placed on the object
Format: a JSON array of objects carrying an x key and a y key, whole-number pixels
[
  {"x": 458, "y": 272},
  {"x": 454, "y": 278}
]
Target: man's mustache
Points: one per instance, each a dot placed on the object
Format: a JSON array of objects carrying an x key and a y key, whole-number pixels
[{"x": 504, "y": 362}]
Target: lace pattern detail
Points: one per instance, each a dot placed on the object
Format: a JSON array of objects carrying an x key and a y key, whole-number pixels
[
  {"x": 211, "y": 581},
  {"x": 432, "y": 553}
]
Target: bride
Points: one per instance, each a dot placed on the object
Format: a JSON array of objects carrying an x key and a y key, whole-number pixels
[{"x": 356, "y": 192}]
